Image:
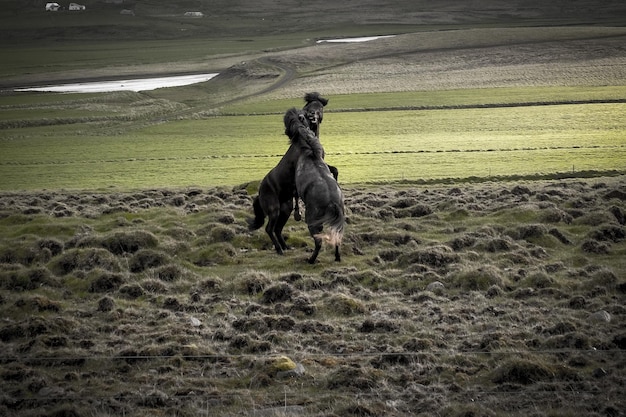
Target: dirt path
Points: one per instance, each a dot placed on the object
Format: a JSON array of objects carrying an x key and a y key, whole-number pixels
[{"x": 289, "y": 74}]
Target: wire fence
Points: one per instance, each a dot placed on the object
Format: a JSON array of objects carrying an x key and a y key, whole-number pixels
[
  {"x": 218, "y": 356},
  {"x": 291, "y": 395}
]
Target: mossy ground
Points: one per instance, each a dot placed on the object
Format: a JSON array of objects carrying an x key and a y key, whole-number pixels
[{"x": 502, "y": 298}]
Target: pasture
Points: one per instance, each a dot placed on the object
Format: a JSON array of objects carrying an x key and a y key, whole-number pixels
[
  {"x": 481, "y": 152},
  {"x": 438, "y": 105},
  {"x": 86, "y": 147}
]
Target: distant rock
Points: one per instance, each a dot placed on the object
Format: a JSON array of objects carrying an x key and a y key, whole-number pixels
[
  {"x": 298, "y": 371},
  {"x": 600, "y": 316},
  {"x": 436, "y": 287},
  {"x": 284, "y": 367},
  {"x": 282, "y": 364}
]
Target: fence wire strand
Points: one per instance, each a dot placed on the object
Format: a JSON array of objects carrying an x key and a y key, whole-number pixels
[{"x": 217, "y": 356}]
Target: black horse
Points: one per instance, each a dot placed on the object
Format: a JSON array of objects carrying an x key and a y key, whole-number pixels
[
  {"x": 314, "y": 111},
  {"x": 277, "y": 190},
  {"x": 317, "y": 187}
]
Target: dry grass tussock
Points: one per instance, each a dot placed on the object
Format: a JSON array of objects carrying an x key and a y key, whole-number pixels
[{"x": 483, "y": 299}]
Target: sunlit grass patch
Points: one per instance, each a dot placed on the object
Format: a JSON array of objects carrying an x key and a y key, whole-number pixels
[
  {"x": 449, "y": 99},
  {"x": 366, "y": 146}
]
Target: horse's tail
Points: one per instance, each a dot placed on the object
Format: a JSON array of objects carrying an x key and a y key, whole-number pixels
[
  {"x": 258, "y": 220},
  {"x": 336, "y": 220}
]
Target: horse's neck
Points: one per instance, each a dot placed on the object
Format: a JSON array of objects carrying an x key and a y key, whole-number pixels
[
  {"x": 311, "y": 142},
  {"x": 286, "y": 165},
  {"x": 313, "y": 178}
]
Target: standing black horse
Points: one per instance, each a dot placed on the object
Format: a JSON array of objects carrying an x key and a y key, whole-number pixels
[
  {"x": 314, "y": 111},
  {"x": 317, "y": 187}
]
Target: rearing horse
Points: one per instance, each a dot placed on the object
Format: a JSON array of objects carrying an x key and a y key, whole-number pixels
[
  {"x": 317, "y": 187},
  {"x": 278, "y": 188}
]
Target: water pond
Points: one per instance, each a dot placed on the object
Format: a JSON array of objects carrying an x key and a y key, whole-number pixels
[{"x": 140, "y": 84}]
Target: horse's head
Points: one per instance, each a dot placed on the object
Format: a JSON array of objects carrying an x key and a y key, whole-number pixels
[
  {"x": 295, "y": 119},
  {"x": 314, "y": 109},
  {"x": 298, "y": 128}
]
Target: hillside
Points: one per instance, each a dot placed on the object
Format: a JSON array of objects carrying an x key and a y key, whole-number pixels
[{"x": 160, "y": 19}]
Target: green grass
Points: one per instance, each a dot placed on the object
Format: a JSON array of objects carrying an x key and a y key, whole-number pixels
[
  {"x": 187, "y": 136},
  {"x": 445, "y": 98},
  {"x": 365, "y": 146}
]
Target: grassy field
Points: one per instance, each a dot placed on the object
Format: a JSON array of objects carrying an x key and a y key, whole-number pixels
[
  {"x": 470, "y": 102},
  {"x": 371, "y": 146},
  {"x": 482, "y": 154}
]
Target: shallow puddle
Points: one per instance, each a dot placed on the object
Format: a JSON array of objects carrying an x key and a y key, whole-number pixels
[{"x": 142, "y": 84}]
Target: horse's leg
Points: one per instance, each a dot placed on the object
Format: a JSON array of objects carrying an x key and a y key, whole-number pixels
[
  {"x": 285, "y": 211},
  {"x": 283, "y": 216},
  {"x": 315, "y": 231},
  {"x": 296, "y": 201},
  {"x": 334, "y": 171},
  {"x": 280, "y": 224},
  {"x": 316, "y": 251},
  {"x": 271, "y": 232}
]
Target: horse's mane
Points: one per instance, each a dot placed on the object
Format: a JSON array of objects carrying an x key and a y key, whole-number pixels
[
  {"x": 315, "y": 96},
  {"x": 299, "y": 133}
]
